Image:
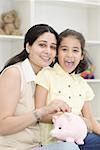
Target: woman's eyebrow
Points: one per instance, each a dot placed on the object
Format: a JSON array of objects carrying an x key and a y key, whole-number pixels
[{"x": 46, "y": 42}]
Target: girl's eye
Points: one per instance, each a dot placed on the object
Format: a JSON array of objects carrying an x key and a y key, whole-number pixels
[
  {"x": 75, "y": 50},
  {"x": 64, "y": 49}
]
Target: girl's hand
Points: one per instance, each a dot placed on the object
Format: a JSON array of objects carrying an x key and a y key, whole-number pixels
[
  {"x": 57, "y": 106},
  {"x": 52, "y": 108}
]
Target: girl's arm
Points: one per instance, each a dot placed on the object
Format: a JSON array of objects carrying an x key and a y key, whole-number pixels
[
  {"x": 92, "y": 124},
  {"x": 41, "y": 100},
  {"x": 40, "y": 96}
]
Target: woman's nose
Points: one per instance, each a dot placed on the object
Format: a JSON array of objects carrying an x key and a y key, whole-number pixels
[{"x": 48, "y": 50}]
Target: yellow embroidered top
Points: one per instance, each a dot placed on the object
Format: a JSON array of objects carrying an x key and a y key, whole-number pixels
[{"x": 71, "y": 88}]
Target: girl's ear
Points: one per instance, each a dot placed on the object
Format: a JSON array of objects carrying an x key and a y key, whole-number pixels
[
  {"x": 83, "y": 55},
  {"x": 27, "y": 48}
]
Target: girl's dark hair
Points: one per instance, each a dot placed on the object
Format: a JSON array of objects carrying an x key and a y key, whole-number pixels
[
  {"x": 32, "y": 34},
  {"x": 83, "y": 65}
]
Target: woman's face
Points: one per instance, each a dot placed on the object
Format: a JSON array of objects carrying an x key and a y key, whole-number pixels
[
  {"x": 43, "y": 51},
  {"x": 69, "y": 53}
]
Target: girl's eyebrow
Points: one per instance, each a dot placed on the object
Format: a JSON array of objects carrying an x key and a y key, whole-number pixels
[
  {"x": 65, "y": 46},
  {"x": 76, "y": 47}
]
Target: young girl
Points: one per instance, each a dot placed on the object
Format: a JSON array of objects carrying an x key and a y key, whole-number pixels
[{"x": 64, "y": 82}]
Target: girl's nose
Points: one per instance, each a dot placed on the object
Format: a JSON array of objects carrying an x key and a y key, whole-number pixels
[{"x": 69, "y": 53}]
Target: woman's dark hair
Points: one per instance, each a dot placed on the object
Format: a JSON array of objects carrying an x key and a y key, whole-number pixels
[
  {"x": 83, "y": 65},
  {"x": 32, "y": 34}
]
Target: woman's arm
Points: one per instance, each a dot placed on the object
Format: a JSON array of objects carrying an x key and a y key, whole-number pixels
[
  {"x": 92, "y": 124},
  {"x": 10, "y": 84},
  {"x": 9, "y": 97}
]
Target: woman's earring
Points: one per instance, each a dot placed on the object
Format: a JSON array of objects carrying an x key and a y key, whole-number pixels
[{"x": 27, "y": 50}]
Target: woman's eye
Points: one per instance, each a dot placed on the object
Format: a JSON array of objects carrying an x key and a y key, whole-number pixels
[
  {"x": 53, "y": 47},
  {"x": 42, "y": 44}
]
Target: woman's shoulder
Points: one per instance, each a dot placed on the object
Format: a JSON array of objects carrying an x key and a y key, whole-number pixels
[{"x": 11, "y": 72}]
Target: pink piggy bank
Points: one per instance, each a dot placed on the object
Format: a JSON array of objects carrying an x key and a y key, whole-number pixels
[{"x": 69, "y": 127}]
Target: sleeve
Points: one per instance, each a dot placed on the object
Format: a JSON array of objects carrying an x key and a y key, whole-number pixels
[
  {"x": 42, "y": 78},
  {"x": 89, "y": 93}
]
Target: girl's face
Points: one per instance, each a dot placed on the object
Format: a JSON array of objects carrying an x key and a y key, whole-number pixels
[
  {"x": 69, "y": 53},
  {"x": 43, "y": 51}
]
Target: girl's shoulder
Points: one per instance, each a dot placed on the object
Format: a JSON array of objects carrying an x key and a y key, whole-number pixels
[
  {"x": 80, "y": 79},
  {"x": 46, "y": 70}
]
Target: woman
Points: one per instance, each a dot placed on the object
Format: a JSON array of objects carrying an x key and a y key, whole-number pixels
[{"x": 18, "y": 119}]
